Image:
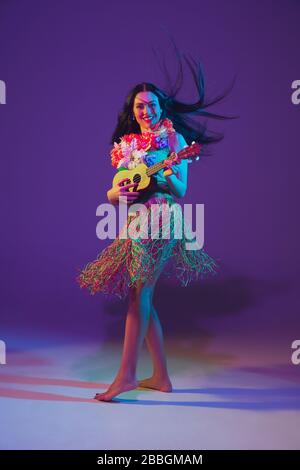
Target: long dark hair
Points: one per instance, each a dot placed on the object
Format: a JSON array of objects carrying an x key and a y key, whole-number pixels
[{"x": 181, "y": 114}]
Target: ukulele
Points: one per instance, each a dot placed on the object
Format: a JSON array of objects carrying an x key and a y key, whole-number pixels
[{"x": 141, "y": 174}]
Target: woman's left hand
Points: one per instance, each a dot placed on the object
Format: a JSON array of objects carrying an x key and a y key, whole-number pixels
[{"x": 169, "y": 163}]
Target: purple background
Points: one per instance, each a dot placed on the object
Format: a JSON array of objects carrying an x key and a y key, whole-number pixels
[{"x": 68, "y": 66}]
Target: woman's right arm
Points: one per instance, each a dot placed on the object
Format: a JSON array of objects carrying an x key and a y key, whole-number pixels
[{"x": 111, "y": 196}]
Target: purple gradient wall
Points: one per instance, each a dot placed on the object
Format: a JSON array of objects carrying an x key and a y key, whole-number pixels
[{"x": 67, "y": 66}]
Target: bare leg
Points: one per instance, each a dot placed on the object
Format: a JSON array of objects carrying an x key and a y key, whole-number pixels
[
  {"x": 137, "y": 321},
  {"x": 160, "y": 379}
]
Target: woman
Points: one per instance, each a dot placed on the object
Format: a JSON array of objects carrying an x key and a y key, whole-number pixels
[{"x": 158, "y": 125}]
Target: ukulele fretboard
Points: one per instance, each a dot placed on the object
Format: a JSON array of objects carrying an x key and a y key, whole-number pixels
[{"x": 154, "y": 168}]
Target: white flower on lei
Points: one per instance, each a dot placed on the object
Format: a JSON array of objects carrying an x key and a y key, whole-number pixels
[{"x": 132, "y": 156}]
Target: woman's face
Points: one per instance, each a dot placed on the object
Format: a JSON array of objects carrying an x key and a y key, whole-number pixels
[{"x": 146, "y": 110}]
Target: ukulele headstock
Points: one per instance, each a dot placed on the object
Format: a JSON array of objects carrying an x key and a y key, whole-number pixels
[{"x": 192, "y": 152}]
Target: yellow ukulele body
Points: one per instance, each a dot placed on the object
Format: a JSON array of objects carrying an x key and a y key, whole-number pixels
[{"x": 136, "y": 175}]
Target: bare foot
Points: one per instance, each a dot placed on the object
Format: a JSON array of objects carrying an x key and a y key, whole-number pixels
[
  {"x": 163, "y": 385},
  {"x": 115, "y": 389}
]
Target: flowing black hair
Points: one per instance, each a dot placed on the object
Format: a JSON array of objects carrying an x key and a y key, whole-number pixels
[{"x": 181, "y": 114}]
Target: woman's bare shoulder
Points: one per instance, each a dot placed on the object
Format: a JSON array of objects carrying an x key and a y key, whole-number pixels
[{"x": 177, "y": 142}]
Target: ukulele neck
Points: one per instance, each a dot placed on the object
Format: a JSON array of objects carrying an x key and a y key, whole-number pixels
[
  {"x": 155, "y": 168},
  {"x": 191, "y": 151}
]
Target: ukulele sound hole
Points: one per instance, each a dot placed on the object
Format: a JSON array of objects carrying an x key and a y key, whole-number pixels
[{"x": 137, "y": 178}]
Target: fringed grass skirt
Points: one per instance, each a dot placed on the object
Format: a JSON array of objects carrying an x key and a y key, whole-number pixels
[{"x": 128, "y": 261}]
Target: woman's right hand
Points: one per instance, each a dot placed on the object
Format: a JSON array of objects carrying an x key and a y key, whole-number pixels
[{"x": 122, "y": 190}]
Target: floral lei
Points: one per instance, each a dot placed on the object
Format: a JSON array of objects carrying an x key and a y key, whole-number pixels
[{"x": 132, "y": 149}]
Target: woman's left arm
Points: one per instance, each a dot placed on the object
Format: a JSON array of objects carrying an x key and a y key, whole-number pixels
[{"x": 177, "y": 182}]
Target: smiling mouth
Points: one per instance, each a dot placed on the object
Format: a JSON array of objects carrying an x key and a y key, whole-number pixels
[{"x": 148, "y": 119}]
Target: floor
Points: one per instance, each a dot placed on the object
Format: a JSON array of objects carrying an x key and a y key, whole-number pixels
[{"x": 223, "y": 398}]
